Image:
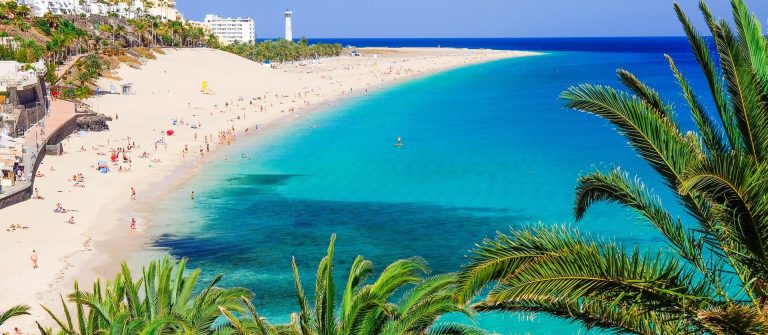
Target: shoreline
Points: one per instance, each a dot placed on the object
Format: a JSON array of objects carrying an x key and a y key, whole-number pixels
[
  {"x": 101, "y": 246},
  {"x": 183, "y": 174}
]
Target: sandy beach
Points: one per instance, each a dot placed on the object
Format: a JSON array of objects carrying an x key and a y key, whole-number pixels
[{"x": 243, "y": 97}]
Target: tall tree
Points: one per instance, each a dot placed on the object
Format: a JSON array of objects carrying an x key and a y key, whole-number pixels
[{"x": 713, "y": 278}]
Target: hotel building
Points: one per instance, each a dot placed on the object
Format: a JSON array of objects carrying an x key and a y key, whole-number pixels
[{"x": 231, "y": 30}]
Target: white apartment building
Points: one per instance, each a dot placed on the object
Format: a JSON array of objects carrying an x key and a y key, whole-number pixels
[
  {"x": 231, "y": 30},
  {"x": 40, "y": 7},
  {"x": 12, "y": 73},
  {"x": 165, "y": 10}
]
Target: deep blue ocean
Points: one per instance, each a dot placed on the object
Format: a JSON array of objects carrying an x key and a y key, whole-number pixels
[{"x": 487, "y": 148}]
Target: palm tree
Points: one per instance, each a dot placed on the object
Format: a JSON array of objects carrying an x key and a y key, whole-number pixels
[
  {"x": 23, "y": 11},
  {"x": 12, "y": 312},
  {"x": 176, "y": 29},
  {"x": 369, "y": 308},
  {"x": 52, "y": 20},
  {"x": 141, "y": 28},
  {"x": 713, "y": 278},
  {"x": 162, "y": 301}
]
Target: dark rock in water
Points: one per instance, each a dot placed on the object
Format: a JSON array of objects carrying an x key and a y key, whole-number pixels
[{"x": 96, "y": 122}]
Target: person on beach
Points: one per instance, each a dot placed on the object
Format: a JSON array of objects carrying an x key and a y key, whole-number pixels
[
  {"x": 193, "y": 195},
  {"x": 71, "y": 220},
  {"x": 133, "y": 223},
  {"x": 133, "y": 193},
  {"x": 33, "y": 258}
]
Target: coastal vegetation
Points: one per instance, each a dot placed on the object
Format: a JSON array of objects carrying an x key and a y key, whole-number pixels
[
  {"x": 401, "y": 300},
  {"x": 373, "y": 308},
  {"x": 55, "y": 39},
  {"x": 283, "y": 50},
  {"x": 165, "y": 299},
  {"x": 713, "y": 278}
]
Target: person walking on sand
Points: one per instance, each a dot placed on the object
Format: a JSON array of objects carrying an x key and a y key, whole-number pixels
[
  {"x": 133, "y": 193},
  {"x": 34, "y": 259},
  {"x": 133, "y": 223}
]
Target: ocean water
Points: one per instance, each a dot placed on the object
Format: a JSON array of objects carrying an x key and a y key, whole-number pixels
[
  {"x": 487, "y": 148},
  {"x": 600, "y": 44}
]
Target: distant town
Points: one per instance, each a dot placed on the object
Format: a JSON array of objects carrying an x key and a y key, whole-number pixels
[{"x": 226, "y": 29}]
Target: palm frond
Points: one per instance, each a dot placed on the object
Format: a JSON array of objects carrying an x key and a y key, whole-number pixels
[
  {"x": 595, "y": 313},
  {"x": 660, "y": 144},
  {"x": 455, "y": 329},
  {"x": 736, "y": 320},
  {"x": 736, "y": 184},
  {"x": 325, "y": 293},
  {"x": 561, "y": 262},
  {"x": 707, "y": 63},
  {"x": 14, "y": 311},
  {"x": 712, "y": 136},
  {"x": 616, "y": 186},
  {"x": 648, "y": 95},
  {"x": 305, "y": 321}
]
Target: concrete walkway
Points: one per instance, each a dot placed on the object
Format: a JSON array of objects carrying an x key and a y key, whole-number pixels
[
  {"x": 60, "y": 113},
  {"x": 64, "y": 68}
]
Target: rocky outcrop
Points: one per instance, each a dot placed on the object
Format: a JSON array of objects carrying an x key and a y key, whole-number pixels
[{"x": 94, "y": 122}]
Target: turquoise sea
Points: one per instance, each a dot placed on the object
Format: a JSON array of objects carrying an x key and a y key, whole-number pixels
[{"x": 487, "y": 147}]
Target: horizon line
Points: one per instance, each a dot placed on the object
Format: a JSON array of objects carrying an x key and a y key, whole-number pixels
[{"x": 489, "y": 38}]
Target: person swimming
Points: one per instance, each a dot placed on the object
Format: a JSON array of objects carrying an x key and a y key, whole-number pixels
[{"x": 399, "y": 142}]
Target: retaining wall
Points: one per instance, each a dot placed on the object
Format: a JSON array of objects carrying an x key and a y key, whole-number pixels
[{"x": 25, "y": 193}]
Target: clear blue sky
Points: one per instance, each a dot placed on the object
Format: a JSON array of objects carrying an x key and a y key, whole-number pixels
[{"x": 464, "y": 18}]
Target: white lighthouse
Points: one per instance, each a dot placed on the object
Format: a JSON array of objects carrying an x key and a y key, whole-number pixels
[{"x": 288, "y": 28}]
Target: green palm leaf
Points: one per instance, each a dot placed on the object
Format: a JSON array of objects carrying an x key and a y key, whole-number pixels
[
  {"x": 713, "y": 139},
  {"x": 654, "y": 138},
  {"x": 455, "y": 329},
  {"x": 617, "y": 187},
  {"x": 596, "y": 313},
  {"x": 14, "y": 311},
  {"x": 648, "y": 95},
  {"x": 707, "y": 63},
  {"x": 596, "y": 270}
]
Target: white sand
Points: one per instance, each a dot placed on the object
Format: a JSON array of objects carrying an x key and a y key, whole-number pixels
[{"x": 165, "y": 89}]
